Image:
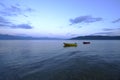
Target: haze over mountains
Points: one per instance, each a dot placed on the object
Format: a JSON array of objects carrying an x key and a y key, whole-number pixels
[{"x": 13, "y": 37}]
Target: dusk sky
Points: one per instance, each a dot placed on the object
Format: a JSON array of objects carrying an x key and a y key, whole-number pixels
[{"x": 60, "y": 18}]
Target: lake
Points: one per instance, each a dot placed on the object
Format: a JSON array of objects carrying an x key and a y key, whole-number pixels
[{"x": 49, "y": 60}]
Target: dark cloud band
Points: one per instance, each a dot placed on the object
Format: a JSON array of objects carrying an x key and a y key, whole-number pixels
[
  {"x": 117, "y": 20},
  {"x": 24, "y": 26},
  {"x": 84, "y": 19},
  {"x": 7, "y": 24}
]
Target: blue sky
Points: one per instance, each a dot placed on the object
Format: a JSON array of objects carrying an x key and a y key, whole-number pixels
[{"x": 60, "y": 18}]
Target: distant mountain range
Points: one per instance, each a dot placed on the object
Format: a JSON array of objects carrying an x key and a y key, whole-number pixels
[
  {"x": 96, "y": 38},
  {"x": 12, "y": 37}
]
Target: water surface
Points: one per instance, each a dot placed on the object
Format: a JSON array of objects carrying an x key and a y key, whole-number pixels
[{"x": 49, "y": 60}]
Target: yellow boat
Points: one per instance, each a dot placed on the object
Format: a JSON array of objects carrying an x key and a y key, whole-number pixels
[{"x": 70, "y": 44}]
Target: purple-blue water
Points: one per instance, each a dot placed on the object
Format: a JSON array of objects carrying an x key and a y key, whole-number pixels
[{"x": 49, "y": 60}]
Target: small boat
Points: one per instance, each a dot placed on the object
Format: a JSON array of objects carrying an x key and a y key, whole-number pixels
[
  {"x": 70, "y": 44},
  {"x": 86, "y": 42}
]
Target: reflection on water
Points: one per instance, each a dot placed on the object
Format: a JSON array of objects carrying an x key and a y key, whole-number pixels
[{"x": 49, "y": 60}]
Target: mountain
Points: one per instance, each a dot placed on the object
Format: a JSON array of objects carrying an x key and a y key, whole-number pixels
[
  {"x": 96, "y": 38},
  {"x": 12, "y": 37}
]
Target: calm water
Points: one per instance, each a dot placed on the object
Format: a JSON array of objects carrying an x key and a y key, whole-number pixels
[{"x": 49, "y": 60}]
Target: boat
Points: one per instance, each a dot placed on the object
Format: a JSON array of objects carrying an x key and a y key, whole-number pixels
[
  {"x": 70, "y": 44},
  {"x": 86, "y": 42}
]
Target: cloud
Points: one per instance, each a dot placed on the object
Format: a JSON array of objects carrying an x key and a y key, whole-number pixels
[
  {"x": 13, "y": 10},
  {"x": 107, "y": 29},
  {"x": 85, "y": 19},
  {"x": 7, "y": 24},
  {"x": 29, "y": 10},
  {"x": 117, "y": 20},
  {"x": 110, "y": 32},
  {"x": 103, "y": 33},
  {"x": 24, "y": 26},
  {"x": 2, "y": 5},
  {"x": 4, "y": 22}
]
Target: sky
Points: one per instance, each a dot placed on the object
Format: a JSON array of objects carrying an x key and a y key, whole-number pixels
[{"x": 60, "y": 18}]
